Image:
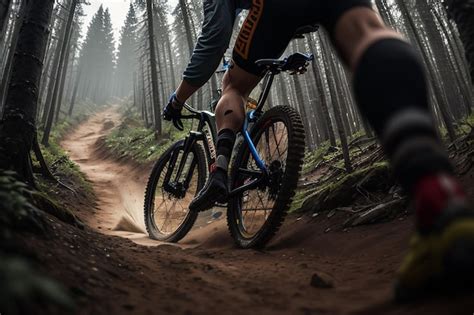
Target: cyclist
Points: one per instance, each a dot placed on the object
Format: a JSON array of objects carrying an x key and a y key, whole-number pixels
[{"x": 391, "y": 91}]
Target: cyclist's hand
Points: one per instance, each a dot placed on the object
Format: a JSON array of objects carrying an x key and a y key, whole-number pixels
[{"x": 172, "y": 112}]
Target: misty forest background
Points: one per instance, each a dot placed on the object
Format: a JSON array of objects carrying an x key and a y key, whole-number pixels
[
  {"x": 54, "y": 76},
  {"x": 156, "y": 43},
  {"x": 82, "y": 70}
]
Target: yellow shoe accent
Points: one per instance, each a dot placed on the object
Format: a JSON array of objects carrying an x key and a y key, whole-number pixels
[{"x": 424, "y": 265}]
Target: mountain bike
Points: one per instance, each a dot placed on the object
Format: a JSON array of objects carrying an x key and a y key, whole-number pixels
[{"x": 262, "y": 178}]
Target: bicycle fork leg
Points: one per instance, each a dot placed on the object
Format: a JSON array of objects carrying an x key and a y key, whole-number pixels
[{"x": 188, "y": 144}]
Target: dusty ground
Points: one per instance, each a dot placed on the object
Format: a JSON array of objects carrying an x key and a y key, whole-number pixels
[{"x": 208, "y": 275}]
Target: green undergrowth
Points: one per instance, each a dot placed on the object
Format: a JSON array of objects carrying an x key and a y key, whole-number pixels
[
  {"x": 132, "y": 140},
  {"x": 72, "y": 180},
  {"x": 342, "y": 190},
  {"x": 462, "y": 127},
  {"x": 323, "y": 157},
  {"x": 312, "y": 158}
]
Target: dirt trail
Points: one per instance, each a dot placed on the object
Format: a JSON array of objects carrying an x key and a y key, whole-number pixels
[
  {"x": 357, "y": 265},
  {"x": 119, "y": 187}
]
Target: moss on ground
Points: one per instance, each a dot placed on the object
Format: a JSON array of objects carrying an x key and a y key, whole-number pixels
[
  {"x": 342, "y": 191},
  {"x": 312, "y": 158}
]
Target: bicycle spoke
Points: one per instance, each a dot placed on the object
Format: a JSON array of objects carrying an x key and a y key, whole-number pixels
[
  {"x": 267, "y": 140},
  {"x": 272, "y": 145},
  {"x": 277, "y": 143},
  {"x": 277, "y": 148},
  {"x": 170, "y": 212},
  {"x": 257, "y": 209}
]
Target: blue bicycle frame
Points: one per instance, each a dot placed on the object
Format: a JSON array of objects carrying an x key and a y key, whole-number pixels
[{"x": 250, "y": 117}]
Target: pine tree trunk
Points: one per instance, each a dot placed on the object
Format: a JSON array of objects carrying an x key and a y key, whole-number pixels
[
  {"x": 54, "y": 72},
  {"x": 63, "y": 82},
  {"x": 462, "y": 12},
  {"x": 4, "y": 12},
  {"x": 17, "y": 129},
  {"x": 431, "y": 70},
  {"x": 331, "y": 72},
  {"x": 461, "y": 72},
  {"x": 74, "y": 93},
  {"x": 7, "y": 36},
  {"x": 324, "y": 100},
  {"x": 154, "y": 73},
  {"x": 7, "y": 71},
  {"x": 59, "y": 73},
  {"x": 170, "y": 60}
]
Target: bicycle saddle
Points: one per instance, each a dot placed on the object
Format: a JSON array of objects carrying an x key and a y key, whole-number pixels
[
  {"x": 295, "y": 63},
  {"x": 300, "y": 32}
]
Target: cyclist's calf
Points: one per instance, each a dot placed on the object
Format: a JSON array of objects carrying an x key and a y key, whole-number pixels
[{"x": 236, "y": 87}]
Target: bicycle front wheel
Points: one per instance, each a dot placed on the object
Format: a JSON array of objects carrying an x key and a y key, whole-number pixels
[
  {"x": 256, "y": 215},
  {"x": 168, "y": 194}
]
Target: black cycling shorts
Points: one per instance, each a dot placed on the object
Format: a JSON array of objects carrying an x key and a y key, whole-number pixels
[{"x": 271, "y": 24}]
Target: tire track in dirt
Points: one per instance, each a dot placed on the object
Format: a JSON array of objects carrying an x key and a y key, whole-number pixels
[{"x": 119, "y": 187}]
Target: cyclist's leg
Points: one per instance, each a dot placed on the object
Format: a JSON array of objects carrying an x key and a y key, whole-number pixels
[
  {"x": 391, "y": 91},
  {"x": 236, "y": 87},
  {"x": 254, "y": 42}
]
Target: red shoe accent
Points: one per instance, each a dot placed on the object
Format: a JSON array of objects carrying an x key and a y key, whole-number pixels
[
  {"x": 213, "y": 167},
  {"x": 432, "y": 195}
]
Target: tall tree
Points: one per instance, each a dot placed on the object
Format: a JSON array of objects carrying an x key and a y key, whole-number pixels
[
  {"x": 11, "y": 52},
  {"x": 4, "y": 11},
  {"x": 108, "y": 51},
  {"x": 126, "y": 59},
  {"x": 59, "y": 75},
  {"x": 462, "y": 12},
  {"x": 153, "y": 67},
  {"x": 17, "y": 127}
]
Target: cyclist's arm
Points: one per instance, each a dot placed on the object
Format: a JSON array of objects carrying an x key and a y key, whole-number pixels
[{"x": 219, "y": 16}]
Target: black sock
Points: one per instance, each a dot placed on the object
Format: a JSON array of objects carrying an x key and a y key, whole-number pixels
[
  {"x": 391, "y": 91},
  {"x": 225, "y": 144}
]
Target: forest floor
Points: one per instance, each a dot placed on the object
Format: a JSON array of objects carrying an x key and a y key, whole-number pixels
[{"x": 111, "y": 267}]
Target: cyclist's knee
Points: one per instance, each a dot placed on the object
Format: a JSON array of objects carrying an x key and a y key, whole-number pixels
[
  {"x": 239, "y": 81},
  {"x": 356, "y": 30}
]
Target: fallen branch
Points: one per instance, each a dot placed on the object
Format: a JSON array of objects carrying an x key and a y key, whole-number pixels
[{"x": 376, "y": 213}]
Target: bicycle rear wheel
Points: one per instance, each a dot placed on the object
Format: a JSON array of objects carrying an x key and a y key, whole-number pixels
[
  {"x": 256, "y": 215},
  {"x": 167, "y": 214}
]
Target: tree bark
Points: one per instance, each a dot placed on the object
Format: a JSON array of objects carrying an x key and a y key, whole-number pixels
[
  {"x": 4, "y": 12},
  {"x": 74, "y": 93},
  {"x": 437, "y": 88},
  {"x": 324, "y": 101},
  {"x": 63, "y": 82},
  {"x": 18, "y": 125},
  {"x": 54, "y": 69},
  {"x": 154, "y": 73},
  {"x": 462, "y": 13},
  {"x": 7, "y": 71},
  {"x": 59, "y": 73}
]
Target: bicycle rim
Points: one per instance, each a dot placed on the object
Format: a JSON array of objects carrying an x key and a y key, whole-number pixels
[
  {"x": 167, "y": 215},
  {"x": 257, "y": 214}
]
